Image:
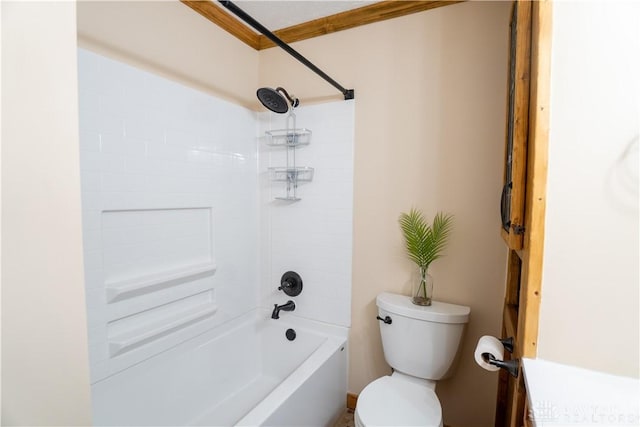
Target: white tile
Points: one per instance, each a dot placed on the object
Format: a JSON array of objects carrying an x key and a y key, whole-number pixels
[
  {"x": 313, "y": 236},
  {"x": 99, "y": 370},
  {"x": 95, "y": 303},
  {"x": 91, "y": 201},
  {"x": 98, "y": 353},
  {"x": 91, "y": 240},
  {"x": 163, "y": 151},
  {"x": 137, "y": 165},
  {"x": 94, "y": 279},
  {"x": 93, "y": 257},
  {"x": 119, "y": 144},
  {"x": 137, "y": 126},
  {"x": 120, "y": 182},
  {"x": 111, "y": 124},
  {"x": 88, "y": 99},
  {"x": 163, "y": 146},
  {"x": 89, "y": 78},
  {"x": 182, "y": 137},
  {"x": 91, "y": 219},
  {"x": 111, "y": 162},
  {"x": 90, "y": 180},
  {"x": 89, "y": 121},
  {"x": 112, "y": 97}
]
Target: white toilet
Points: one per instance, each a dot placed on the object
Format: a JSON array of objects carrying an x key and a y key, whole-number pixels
[{"x": 420, "y": 344}]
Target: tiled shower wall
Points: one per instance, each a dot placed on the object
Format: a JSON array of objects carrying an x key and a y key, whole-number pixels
[
  {"x": 170, "y": 212},
  {"x": 312, "y": 236},
  {"x": 182, "y": 231}
]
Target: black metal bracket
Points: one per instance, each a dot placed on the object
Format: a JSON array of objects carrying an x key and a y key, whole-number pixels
[
  {"x": 517, "y": 228},
  {"x": 348, "y": 93},
  {"x": 386, "y": 319},
  {"x": 505, "y": 209},
  {"x": 508, "y": 344},
  {"x": 510, "y": 365}
]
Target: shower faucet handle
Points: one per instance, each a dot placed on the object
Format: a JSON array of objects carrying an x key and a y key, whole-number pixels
[{"x": 291, "y": 283}]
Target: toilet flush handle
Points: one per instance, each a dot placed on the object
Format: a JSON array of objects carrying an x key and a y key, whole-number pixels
[{"x": 386, "y": 319}]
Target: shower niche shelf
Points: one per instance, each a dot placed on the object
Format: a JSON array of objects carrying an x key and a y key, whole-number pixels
[
  {"x": 288, "y": 137},
  {"x": 141, "y": 285},
  {"x": 128, "y": 341}
]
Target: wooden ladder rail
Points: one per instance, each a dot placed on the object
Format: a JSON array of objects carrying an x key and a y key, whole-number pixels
[{"x": 524, "y": 266}]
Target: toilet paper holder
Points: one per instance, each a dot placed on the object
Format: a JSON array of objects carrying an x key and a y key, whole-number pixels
[{"x": 510, "y": 365}]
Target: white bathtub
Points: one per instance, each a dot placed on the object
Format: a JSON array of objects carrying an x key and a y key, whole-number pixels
[{"x": 245, "y": 372}]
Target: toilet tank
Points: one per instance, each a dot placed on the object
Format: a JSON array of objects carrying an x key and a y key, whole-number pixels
[{"x": 422, "y": 341}]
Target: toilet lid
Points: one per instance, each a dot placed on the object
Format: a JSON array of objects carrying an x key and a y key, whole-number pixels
[{"x": 396, "y": 402}]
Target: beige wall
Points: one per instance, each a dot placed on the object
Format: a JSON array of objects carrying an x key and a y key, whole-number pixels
[
  {"x": 45, "y": 367},
  {"x": 589, "y": 310},
  {"x": 171, "y": 40},
  {"x": 430, "y": 111}
]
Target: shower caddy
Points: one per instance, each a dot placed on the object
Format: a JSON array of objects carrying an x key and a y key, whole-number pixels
[{"x": 291, "y": 138}]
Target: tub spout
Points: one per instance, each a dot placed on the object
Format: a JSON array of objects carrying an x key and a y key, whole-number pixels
[{"x": 289, "y": 306}]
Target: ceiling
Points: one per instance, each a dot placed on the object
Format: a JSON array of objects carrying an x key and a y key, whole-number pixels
[
  {"x": 276, "y": 15},
  {"x": 295, "y": 20}
]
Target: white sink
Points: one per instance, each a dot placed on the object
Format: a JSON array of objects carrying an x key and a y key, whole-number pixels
[{"x": 561, "y": 395}]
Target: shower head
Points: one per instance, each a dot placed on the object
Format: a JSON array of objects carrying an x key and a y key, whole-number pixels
[{"x": 274, "y": 101}]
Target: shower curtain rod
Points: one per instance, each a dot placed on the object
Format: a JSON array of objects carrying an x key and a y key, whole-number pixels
[{"x": 348, "y": 93}]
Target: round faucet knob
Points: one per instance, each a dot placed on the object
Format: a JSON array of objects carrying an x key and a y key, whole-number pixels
[{"x": 291, "y": 283}]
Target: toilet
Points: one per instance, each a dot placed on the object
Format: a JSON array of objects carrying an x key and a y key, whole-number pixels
[{"x": 420, "y": 343}]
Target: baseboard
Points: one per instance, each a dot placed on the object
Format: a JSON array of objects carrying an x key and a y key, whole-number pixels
[{"x": 352, "y": 400}]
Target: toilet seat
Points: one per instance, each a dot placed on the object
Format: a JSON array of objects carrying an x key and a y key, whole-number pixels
[{"x": 393, "y": 401}]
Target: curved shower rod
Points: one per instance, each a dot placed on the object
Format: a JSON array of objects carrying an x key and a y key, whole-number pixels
[{"x": 348, "y": 93}]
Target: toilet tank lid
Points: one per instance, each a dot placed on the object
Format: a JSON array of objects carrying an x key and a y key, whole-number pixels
[{"x": 440, "y": 312}]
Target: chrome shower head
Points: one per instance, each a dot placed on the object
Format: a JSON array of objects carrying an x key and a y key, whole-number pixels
[{"x": 274, "y": 100}]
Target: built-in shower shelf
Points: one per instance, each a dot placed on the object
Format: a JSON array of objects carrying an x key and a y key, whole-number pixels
[
  {"x": 153, "y": 282},
  {"x": 288, "y": 137},
  {"x": 128, "y": 341},
  {"x": 294, "y": 174}
]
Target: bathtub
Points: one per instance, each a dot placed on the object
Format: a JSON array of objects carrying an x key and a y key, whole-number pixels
[{"x": 245, "y": 372}]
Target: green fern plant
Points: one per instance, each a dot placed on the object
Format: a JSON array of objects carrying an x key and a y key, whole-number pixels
[{"x": 425, "y": 243}]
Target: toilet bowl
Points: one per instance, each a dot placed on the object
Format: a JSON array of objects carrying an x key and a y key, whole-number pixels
[
  {"x": 420, "y": 343},
  {"x": 396, "y": 401}
]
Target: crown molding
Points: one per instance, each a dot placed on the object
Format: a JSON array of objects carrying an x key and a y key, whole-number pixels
[{"x": 330, "y": 24}]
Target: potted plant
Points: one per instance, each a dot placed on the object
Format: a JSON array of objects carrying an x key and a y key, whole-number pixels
[{"x": 425, "y": 243}]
